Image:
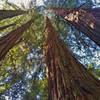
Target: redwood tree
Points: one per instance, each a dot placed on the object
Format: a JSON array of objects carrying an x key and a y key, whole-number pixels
[
  {"x": 11, "y": 39},
  {"x": 85, "y": 20},
  {"x": 68, "y": 79}
]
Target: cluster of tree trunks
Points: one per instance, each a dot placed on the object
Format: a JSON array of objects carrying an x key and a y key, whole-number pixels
[
  {"x": 11, "y": 39},
  {"x": 68, "y": 79},
  {"x": 85, "y": 20}
]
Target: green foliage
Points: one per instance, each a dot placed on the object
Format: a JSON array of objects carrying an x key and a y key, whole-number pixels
[
  {"x": 39, "y": 88},
  {"x": 35, "y": 33},
  {"x": 71, "y": 4},
  {"x": 93, "y": 70},
  {"x": 16, "y": 58}
]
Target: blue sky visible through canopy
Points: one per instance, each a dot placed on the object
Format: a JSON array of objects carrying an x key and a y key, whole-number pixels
[{"x": 39, "y": 2}]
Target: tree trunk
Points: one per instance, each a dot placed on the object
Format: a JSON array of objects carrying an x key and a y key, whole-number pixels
[
  {"x": 10, "y": 13},
  {"x": 68, "y": 79},
  {"x": 85, "y": 20},
  {"x": 12, "y": 38}
]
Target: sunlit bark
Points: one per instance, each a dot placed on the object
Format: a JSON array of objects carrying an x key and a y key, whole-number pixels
[
  {"x": 67, "y": 78},
  {"x": 85, "y": 20}
]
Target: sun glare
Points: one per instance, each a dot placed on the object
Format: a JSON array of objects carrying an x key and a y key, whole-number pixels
[{"x": 25, "y": 2}]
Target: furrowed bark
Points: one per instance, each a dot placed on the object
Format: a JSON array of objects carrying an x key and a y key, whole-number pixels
[
  {"x": 85, "y": 20},
  {"x": 12, "y": 38},
  {"x": 68, "y": 79}
]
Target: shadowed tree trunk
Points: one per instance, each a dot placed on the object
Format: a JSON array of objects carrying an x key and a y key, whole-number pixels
[
  {"x": 85, "y": 20},
  {"x": 12, "y": 38},
  {"x": 10, "y": 13},
  {"x": 67, "y": 78}
]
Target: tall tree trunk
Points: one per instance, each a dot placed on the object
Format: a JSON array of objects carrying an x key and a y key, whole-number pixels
[
  {"x": 10, "y": 13},
  {"x": 12, "y": 38},
  {"x": 68, "y": 79},
  {"x": 85, "y": 20}
]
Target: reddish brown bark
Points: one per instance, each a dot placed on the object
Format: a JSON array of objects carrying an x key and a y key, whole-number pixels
[
  {"x": 85, "y": 20},
  {"x": 12, "y": 38},
  {"x": 67, "y": 78}
]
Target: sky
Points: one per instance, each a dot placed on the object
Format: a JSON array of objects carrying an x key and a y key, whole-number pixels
[
  {"x": 97, "y": 1},
  {"x": 26, "y": 2},
  {"x": 38, "y": 1}
]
